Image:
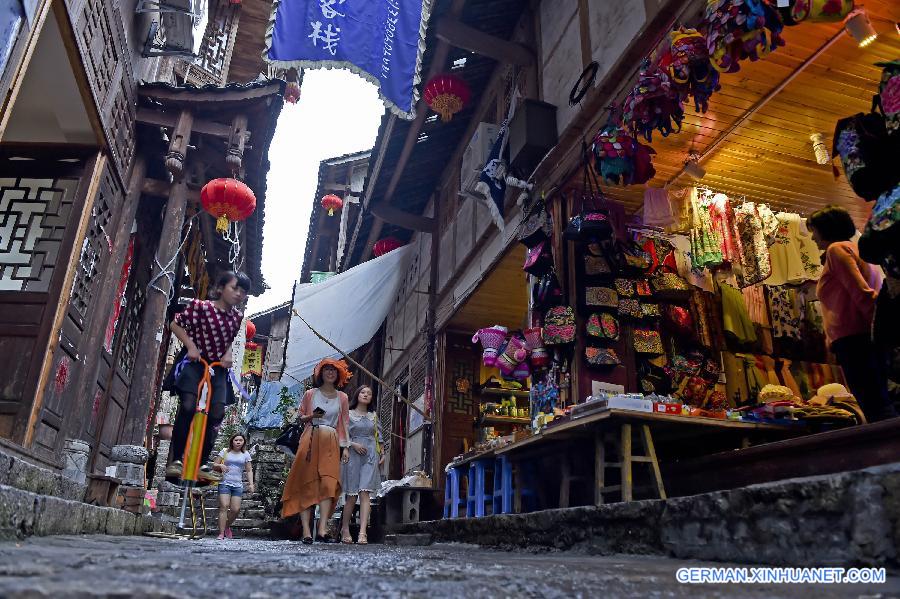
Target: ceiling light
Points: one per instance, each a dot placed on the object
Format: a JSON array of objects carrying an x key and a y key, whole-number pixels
[
  {"x": 860, "y": 28},
  {"x": 819, "y": 148}
]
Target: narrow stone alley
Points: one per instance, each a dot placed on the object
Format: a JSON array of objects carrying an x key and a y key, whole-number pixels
[{"x": 136, "y": 567}]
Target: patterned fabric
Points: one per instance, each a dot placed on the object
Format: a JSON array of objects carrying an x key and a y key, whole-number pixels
[
  {"x": 721, "y": 215},
  {"x": 754, "y": 252},
  {"x": 755, "y": 300},
  {"x": 211, "y": 329},
  {"x": 706, "y": 244},
  {"x": 784, "y": 309}
]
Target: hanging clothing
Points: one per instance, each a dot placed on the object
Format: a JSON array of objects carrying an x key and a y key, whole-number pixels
[
  {"x": 680, "y": 201},
  {"x": 721, "y": 215},
  {"x": 734, "y": 315},
  {"x": 793, "y": 254},
  {"x": 755, "y": 300},
  {"x": 657, "y": 208},
  {"x": 706, "y": 245},
  {"x": 754, "y": 252},
  {"x": 784, "y": 310},
  {"x": 701, "y": 278},
  {"x": 768, "y": 222}
]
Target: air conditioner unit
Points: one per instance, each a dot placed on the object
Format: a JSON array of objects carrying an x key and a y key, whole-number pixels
[{"x": 476, "y": 155}]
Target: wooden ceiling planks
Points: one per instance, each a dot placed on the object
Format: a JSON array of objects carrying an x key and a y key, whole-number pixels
[
  {"x": 246, "y": 59},
  {"x": 502, "y": 298},
  {"x": 769, "y": 156}
]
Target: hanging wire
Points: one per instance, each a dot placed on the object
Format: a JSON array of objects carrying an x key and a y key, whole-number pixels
[
  {"x": 168, "y": 271},
  {"x": 233, "y": 236}
]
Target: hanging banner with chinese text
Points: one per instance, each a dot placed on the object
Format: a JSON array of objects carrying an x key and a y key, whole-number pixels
[
  {"x": 381, "y": 40},
  {"x": 252, "y": 361}
]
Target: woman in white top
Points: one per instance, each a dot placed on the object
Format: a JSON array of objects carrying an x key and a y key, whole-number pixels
[
  {"x": 360, "y": 476},
  {"x": 233, "y": 461}
]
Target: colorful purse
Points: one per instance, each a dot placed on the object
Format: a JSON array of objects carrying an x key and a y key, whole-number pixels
[
  {"x": 537, "y": 226},
  {"x": 679, "y": 320},
  {"x": 624, "y": 287},
  {"x": 650, "y": 311},
  {"x": 601, "y": 356},
  {"x": 595, "y": 261},
  {"x": 630, "y": 308},
  {"x": 647, "y": 341},
  {"x": 603, "y": 297},
  {"x": 539, "y": 259},
  {"x": 632, "y": 258},
  {"x": 559, "y": 325},
  {"x": 642, "y": 288},
  {"x": 603, "y": 325},
  {"x": 670, "y": 285}
]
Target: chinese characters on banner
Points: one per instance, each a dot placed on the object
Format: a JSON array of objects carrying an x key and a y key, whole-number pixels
[
  {"x": 252, "y": 362},
  {"x": 381, "y": 40}
]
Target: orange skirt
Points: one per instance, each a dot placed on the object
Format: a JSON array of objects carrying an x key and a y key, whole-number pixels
[{"x": 315, "y": 475}]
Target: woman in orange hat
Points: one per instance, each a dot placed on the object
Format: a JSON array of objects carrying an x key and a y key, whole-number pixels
[{"x": 315, "y": 475}]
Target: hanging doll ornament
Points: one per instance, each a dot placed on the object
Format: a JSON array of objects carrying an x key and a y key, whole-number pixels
[
  {"x": 653, "y": 104},
  {"x": 686, "y": 59},
  {"x": 620, "y": 158},
  {"x": 741, "y": 29}
]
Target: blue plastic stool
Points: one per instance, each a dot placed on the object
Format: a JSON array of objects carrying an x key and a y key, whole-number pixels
[
  {"x": 452, "y": 500},
  {"x": 527, "y": 486},
  {"x": 477, "y": 497},
  {"x": 503, "y": 486}
]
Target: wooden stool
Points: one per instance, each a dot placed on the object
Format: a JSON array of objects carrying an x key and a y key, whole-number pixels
[
  {"x": 565, "y": 484},
  {"x": 102, "y": 490},
  {"x": 627, "y": 459}
]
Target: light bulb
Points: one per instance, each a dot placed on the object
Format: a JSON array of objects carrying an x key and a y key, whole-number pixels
[
  {"x": 819, "y": 148},
  {"x": 860, "y": 28}
]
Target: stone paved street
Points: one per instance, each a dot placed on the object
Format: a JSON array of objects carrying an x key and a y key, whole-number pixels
[{"x": 147, "y": 567}]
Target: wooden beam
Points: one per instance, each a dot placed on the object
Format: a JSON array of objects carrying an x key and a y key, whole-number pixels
[
  {"x": 404, "y": 219},
  {"x": 468, "y": 38},
  {"x": 161, "y": 189},
  {"x": 165, "y": 119}
]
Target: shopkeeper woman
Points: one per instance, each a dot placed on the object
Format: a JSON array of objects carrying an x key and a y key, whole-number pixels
[
  {"x": 847, "y": 291},
  {"x": 315, "y": 475}
]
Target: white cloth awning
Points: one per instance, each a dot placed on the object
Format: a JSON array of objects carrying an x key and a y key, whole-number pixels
[{"x": 346, "y": 309}]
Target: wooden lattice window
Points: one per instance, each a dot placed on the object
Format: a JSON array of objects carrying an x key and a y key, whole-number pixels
[
  {"x": 34, "y": 214},
  {"x": 131, "y": 327},
  {"x": 211, "y": 65},
  {"x": 122, "y": 117},
  {"x": 96, "y": 242},
  {"x": 103, "y": 57}
]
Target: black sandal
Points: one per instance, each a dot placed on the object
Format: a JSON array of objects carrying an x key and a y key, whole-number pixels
[
  {"x": 325, "y": 539},
  {"x": 307, "y": 540}
]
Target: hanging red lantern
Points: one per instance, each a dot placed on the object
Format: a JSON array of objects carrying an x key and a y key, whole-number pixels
[
  {"x": 251, "y": 330},
  {"x": 228, "y": 200},
  {"x": 292, "y": 92},
  {"x": 383, "y": 246},
  {"x": 251, "y": 346},
  {"x": 331, "y": 203},
  {"x": 446, "y": 95}
]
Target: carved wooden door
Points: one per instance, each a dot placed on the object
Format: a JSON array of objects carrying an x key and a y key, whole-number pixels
[{"x": 42, "y": 196}]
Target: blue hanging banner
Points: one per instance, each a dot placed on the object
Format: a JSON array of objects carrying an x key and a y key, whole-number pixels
[{"x": 380, "y": 40}]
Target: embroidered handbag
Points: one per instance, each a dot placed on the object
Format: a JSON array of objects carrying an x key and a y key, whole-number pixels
[
  {"x": 592, "y": 223},
  {"x": 539, "y": 259},
  {"x": 537, "y": 225},
  {"x": 642, "y": 287},
  {"x": 650, "y": 310},
  {"x": 603, "y": 297},
  {"x": 865, "y": 149},
  {"x": 888, "y": 99},
  {"x": 624, "y": 287},
  {"x": 798, "y": 11},
  {"x": 596, "y": 262},
  {"x": 647, "y": 341},
  {"x": 601, "y": 356},
  {"x": 679, "y": 320},
  {"x": 630, "y": 308},
  {"x": 603, "y": 325},
  {"x": 670, "y": 285},
  {"x": 559, "y": 325},
  {"x": 632, "y": 258}
]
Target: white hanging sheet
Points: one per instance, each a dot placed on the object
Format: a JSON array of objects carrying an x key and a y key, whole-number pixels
[{"x": 346, "y": 309}]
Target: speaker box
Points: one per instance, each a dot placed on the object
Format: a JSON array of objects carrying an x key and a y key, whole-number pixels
[{"x": 532, "y": 133}]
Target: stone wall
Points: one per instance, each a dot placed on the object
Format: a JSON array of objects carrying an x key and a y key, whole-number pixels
[
  {"x": 270, "y": 468},
  {"x": 851, "y": 518}
]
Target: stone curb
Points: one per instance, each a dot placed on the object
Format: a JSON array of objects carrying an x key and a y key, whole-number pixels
[
  {"x": 23, "y": 513},
  {"x": 850, "y": 518},
  {"x": 26, "y": 476}
]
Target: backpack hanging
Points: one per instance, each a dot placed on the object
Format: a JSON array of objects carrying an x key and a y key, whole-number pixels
[
  {"x": 887, "y": 102},
  {"x": 867, "y": 153}
]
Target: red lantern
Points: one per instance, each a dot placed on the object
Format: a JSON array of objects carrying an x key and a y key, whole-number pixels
[
  {"x": 446, "y": 95},
  {"x": 227, "y": 200},
  {"x": 383, "y": 246},
  {"x": 292, "y": 92},
  {"x": 251, "y": 330},
  {"x": 331, "y": 203},
  {"x": 251, "y": 346}
]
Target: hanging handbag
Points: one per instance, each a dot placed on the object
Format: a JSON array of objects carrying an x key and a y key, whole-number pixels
[
  {"x": 601, "y": 356},
  {"x": 596, "y": 262},
  {"x": 865, "y": 149},
  {"x": 289, "y": 438},
  {"x": 630, "y": 308},
  {"x": 559, "y": 325},
  {"x": 547, "y": 292},
  {"x": 592, "y": 223},
  {"x": 647, "y": 341},
  {"x": 670, "y": 285},
  {"x": 631, "y": 258},
  {"x": 539, "y": 259},
  {"x": 603, "y": 325},
  {"x": 602, "y": 297},
  {"x": 650, "y": 311},
  {"x": 537, "y": 225}
]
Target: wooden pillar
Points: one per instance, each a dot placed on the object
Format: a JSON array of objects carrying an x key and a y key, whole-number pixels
[
  {"x": 153, "y": 322},
  {"x": 106, "y": 298}
]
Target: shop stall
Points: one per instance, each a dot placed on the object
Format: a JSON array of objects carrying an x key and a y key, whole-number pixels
[{"x": 673, "y": 303}]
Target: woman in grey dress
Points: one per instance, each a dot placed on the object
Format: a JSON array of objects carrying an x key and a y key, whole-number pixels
[{"x": 360, "y": 477}]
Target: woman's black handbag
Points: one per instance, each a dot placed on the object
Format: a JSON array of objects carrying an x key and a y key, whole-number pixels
[{"x": 289, "y": 438}]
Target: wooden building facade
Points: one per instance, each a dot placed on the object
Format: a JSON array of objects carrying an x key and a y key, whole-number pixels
[{"x": 100, "y": 225}]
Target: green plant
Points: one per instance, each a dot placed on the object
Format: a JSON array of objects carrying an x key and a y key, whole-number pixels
[{"x": 287, "y": 406}]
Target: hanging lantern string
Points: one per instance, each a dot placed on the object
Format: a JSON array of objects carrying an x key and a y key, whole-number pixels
[{"x": 168, "y": 271}]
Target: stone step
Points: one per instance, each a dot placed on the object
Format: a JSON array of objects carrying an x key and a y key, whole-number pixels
[
  {"x": 255, "y": 533},
  {"x": 254, "y": 514},
  {"x": 251, "y": 523}
]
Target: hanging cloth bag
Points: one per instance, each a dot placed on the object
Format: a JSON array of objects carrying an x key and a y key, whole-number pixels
[{"x": 867, "y": 154}]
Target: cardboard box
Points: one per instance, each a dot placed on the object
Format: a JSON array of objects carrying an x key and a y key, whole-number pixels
[{"x": 667, "y": 408}]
